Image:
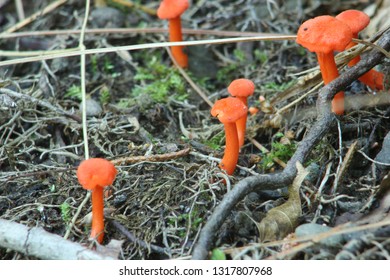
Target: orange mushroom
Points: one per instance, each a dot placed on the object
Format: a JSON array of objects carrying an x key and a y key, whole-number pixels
[
  {"x": 94, "y": 174},
  {"x": 228, "y": 111},
  {"x": 241, "y": 88},
  {"x": 357, "y": 21},
  {"x": 172, "y": 10},
  {"x": 253, "y": 110},
  {"x": 323, "y": 35}
]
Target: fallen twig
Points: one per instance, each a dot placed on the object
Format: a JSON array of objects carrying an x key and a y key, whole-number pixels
[
  {"x": 42, "y": 244},
  {"x": 324, "y": 122},
  {"x": 151, "y": 158},
  {"x": 194, "y": 86},
  {"x": 28, "y": 20}
]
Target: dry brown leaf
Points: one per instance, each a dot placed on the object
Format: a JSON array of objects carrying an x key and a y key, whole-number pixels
[{"x": 282, "y": 220}]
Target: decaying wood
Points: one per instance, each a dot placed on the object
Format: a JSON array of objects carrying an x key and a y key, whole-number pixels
[{"x": 42, "y": 244}]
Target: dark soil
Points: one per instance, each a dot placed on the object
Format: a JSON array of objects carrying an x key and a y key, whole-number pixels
[{"x": 141, "y": 105}]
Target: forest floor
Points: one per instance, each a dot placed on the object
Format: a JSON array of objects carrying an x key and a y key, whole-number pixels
[{"x": 150, "y": 119}]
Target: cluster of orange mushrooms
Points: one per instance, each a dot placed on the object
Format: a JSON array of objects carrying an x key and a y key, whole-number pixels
[{"x": 322, "y": 35}]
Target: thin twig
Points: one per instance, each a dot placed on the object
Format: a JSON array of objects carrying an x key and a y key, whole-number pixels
[
  {"x": 83, "y": 82},
  {"x": 20, "y": 9},
  {"x": 76, "y": 215},
  {"x": 189, "y": 80},
  {"x": 143, "y": 46},
  {"x": 374, "y": 46},
  {"x": 372, "y": 160},
  {"x": 151, "y": 158},
  {"x": 49, "y": 8},
  {"x": 136, "y": 30},
  {"x": 84, "y": 113}
]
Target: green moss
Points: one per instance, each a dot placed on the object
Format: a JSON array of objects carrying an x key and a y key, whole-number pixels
[
  {"x": 74, "y": 92},
  {"x": 216, "y": 141},
  {"x": 261, "y": 56},
  {"x": 65, "y": 212},
  {"x": 187, "y": 219},
  {"x": 105, "y": 95},
  {"x": 279, "y": 150},
  {"x": 159, "y": 81}
]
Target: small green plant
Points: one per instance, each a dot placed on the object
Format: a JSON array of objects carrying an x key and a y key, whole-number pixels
[
  {"x": 279, "y": 150},
  {"x": 239, "y": 55},
  {"x": 261, "y": 56},
  {"x": 105, "y": 95},
  {"x": 65, "y": 212},
  {"x": 74, "y": 92},
  {"x": 94, "y": 64},
  {"x": 218, "y": 255},
  {"x": 274, "y": 87},
  {"x": 104, "y": 65},
  {"x": 215, "y": 142},
  {"x": 125, "y": 103},
  {"x": 186, "y": 219},
  {"x": 159, "y": 81},
  {"x": 229, "y": 71}
]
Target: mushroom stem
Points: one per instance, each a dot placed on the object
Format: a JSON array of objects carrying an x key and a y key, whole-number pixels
[
  {"x": 241, "y": 124},
  {"x": 372, "y": 78},
  {"x": 356, "y": 59},
  {"x": 97, "y": 230},
  {"x": 329, "y": 72},
  {"x": 230, "y": 157},
  {"x": 175, "y": 35}
]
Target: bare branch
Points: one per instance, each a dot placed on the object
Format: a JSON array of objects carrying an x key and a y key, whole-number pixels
[{"x": 42, "y": 244}]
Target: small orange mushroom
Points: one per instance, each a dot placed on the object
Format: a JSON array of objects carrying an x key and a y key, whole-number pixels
[
  {"x": 253, "y": 110},
  {"x": 172, "y": 10},
  {"x": 228, "y": 111},
  {"x": 241, "y": 88},
  {"x": 357, "y": 21},
  {"x": 323, "y": 35},
  {"x": 94, "y": 174}
]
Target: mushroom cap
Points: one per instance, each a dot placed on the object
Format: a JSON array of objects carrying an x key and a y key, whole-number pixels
[
  {"x": 172, "y": 8},
  {"x": 356, "y": 20},
  {"x": 324, "y": 34},
  {"x": 241, "y": 88},
  {"x": 96, "y": 172},
  {"x": 229, "y": 110}
]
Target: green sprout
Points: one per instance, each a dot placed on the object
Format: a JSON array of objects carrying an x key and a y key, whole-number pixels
[
  {"x": 65, "y": 212},
  {"x": 74, "y": 92},
  {"x": 279, "y": 150},
  {"x": 160, "y": 82},
  {"x": 105, "y": 95},
  {"x": 215, "y": 142}
]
